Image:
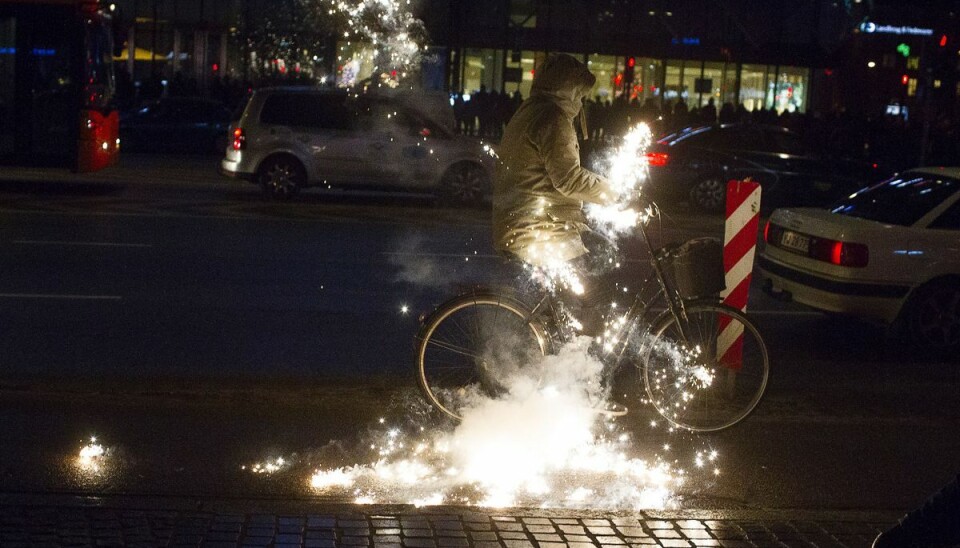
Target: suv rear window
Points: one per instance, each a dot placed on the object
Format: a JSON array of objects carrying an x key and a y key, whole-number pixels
[
  {"x": 310, "y": 110},
  {"x": 902, "y": 200}
]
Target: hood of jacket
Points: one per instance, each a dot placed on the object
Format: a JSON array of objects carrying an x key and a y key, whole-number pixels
[{"x": 563, "y": 80}]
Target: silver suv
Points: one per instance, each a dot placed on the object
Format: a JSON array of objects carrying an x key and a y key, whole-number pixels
[{"x": 290, "y": 138}]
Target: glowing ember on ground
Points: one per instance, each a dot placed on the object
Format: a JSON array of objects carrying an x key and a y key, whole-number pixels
[{"x": 92, "y": 456}]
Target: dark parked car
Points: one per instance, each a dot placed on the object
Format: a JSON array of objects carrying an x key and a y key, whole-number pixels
[
  {"x": 695, "y": 164},
  {"x": 177, "y": 124}
]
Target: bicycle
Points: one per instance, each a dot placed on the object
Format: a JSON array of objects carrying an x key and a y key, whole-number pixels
[{"x": 704, "y": 364}]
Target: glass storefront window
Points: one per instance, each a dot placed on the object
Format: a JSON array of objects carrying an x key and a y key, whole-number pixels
[
  {"x": 668, "y": 82},
  {"x": 647, "y": 78},
  {"x": 789, "y": 90},
  {"x": 728, "y": 92},
  {"x": 712, "y": 84},
  {"x": 673, "y": 91},
  {"x": 482, "y": 67},
  {"x": 527, "y": 62},
  {"x": 753, "y": 85},
  {"x": 605, "y": 68},
  {"x": 688, "y": 83}
]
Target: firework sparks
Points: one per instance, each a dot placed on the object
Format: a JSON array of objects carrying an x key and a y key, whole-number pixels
[
  {"x": 626, "y": 169},
  {"x": 91, "y": 456},
  {"x": 392, "y": 39},
  {"x": 496, "y": 457},
  {"x": 93, "y": 464},
  {"x": 268, "y": 466}
]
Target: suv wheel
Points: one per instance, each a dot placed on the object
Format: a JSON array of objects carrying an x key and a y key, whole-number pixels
[
  {"x": 709, "y": 194},
  {"x": 281, "y": 177},
  {"x": 933, "y": 317},
  {"x": 464, "y": 183}
]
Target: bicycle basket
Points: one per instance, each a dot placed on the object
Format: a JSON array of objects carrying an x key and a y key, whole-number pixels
[{"x": 695, "y": 267}]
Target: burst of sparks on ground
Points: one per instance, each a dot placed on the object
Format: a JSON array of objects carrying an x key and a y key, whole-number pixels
[
  {"x": 92, "y": 456},
  {"x": 542, "y": 444},
  {"x": 268, "y": 466}
]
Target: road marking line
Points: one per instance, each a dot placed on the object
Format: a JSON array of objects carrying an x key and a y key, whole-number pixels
[
  {"x": 453, "y": 255},
  {"x": 94, "y": 244},
  {"x": 755, "y": 312},
  {"x": 49, "y": 296}
]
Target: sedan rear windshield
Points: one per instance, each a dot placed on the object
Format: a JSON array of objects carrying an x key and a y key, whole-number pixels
[{"x": 902, "y": 200}]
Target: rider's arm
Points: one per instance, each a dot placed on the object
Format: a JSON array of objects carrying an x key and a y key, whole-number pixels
[{"x": 557, "y": 143}]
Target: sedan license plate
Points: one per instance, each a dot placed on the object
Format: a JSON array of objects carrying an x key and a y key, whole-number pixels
[{"x": 795, "y": 242}]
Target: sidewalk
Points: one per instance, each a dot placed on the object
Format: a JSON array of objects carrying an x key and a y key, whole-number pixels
[
  {"x": 156, "y": 169},
  {"x": 28, "y": 521}
]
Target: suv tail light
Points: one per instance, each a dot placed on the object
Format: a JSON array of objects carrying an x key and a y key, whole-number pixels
[
  {"x": 239, "y": 139},
  {"x": 657, "y": 159}
]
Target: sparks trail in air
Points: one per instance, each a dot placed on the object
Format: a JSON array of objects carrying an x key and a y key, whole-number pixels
[
  {"x": 626, "y": 168},
  {"x": 394, "y": 39}
]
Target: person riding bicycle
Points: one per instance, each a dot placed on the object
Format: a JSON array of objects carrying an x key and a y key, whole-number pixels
[{"x": 540, "y": 187}]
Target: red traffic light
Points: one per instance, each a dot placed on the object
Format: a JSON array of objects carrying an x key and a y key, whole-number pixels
[
  {"x": 904, "y": 79},
  {"x": 631, "y": 62},
  {"x": 943, "y": 40}
]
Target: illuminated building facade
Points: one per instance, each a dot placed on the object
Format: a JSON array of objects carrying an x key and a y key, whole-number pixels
[{"x": 787, "y": 55}]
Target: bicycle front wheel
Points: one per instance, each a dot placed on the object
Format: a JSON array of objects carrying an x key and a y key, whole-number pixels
[
  {"x": 470, "y": 345},
  {"x": 708, "y": 371}
]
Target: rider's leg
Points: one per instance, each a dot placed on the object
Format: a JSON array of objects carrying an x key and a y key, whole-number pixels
[{"x": 598, "y": 270}]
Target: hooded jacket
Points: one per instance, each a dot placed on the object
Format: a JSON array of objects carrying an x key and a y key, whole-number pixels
[{"x": 540, "y": 185}]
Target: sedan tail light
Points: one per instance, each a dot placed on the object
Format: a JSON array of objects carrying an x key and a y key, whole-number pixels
[
  {"x": 840, "y": 253},
  {"x": 847, "y": 254},
  {"x": 239, "y": 139},
  {"x": 658, "y": 159}
]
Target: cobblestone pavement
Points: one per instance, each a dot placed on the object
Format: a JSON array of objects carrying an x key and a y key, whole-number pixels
[{"x": 151, "y": 522}]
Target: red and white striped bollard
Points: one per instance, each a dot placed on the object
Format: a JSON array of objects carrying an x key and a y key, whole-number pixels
[{"x": 739, "y": 247}]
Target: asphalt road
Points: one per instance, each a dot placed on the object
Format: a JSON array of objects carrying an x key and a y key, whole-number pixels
[{"x": 196, "y": 329}]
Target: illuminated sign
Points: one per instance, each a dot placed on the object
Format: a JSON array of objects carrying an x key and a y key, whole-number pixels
[
  {"x": 686, "y": 41},
  {"x": 870, "y": 27}
]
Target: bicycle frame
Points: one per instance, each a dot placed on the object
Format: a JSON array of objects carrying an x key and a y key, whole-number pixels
[{"x": 638, "y": 309}]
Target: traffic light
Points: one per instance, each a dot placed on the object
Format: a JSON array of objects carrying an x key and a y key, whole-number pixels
[
  {"x": 943, "y": 40},
  {"x": 628, "y": 67},
  {"x": 904, "y": 79}
]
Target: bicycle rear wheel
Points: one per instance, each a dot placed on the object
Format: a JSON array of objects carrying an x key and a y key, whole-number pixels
[
  {"x": 470, "y": 344},
  {"x": 711, "y": 374}
]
